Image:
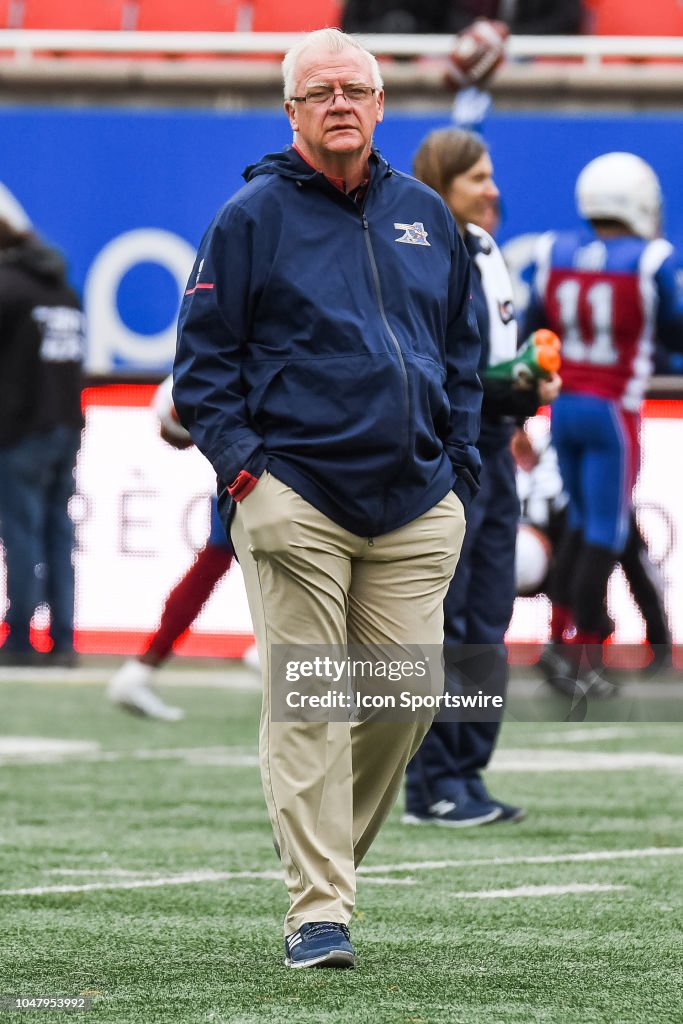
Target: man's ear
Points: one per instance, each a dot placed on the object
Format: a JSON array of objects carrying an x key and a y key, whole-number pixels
[
  {"x": 290, "y": 110},
  {"x": 380, "y": 106}
]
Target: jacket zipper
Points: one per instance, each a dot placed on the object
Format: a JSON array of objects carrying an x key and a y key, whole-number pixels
[{"x": 380, "y": 303}]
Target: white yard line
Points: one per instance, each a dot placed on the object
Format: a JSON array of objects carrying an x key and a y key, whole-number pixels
[
  {"x": 588, "y": 856},
  {"x": 218, "y": 757},
  {"x": 110, "y": 872},
  {"x": 533, "y": 761},
  {"x": 377, "y": 874},
  {"x": 612, "y": 732},
  {"x": 186, "y": 878},
  {"x": 574, "y": 888},
  {"x": 45, "y": 750},
  {"x": 41, "y": 750},
  {"x": 232, "y": 677}
]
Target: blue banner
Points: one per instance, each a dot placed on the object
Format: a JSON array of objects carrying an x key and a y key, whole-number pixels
[{"x": 127, "y": 194}]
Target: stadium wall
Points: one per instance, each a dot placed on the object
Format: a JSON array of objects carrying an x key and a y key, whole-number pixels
[{"x": 127, "y": 194}]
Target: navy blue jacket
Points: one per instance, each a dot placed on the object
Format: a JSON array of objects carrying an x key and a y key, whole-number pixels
[{"x": 334, "y": 344}]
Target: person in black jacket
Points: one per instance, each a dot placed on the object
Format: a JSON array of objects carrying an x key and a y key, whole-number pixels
[
  {"x": 41, "y": 355},
  {"x": 444, "y": 784}
]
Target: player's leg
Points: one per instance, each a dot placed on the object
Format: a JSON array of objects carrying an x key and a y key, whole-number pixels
[
  {"x": 186, "y": 600},
  {"x": 190, "y": 594},
  {"x": 396, "y": 602},
  {"x": 297, "y": 570},
  {"x": 435, "y": 792},
  {"x": 131, "y": 687},
  {"x": 608, "y": 474},
  {"x": 490, "y": 601},
  {"x": 646, "y": 585},
  {"x": 21, "y": 519},
  {"x": 570, "y": 441},
  {"x": 59, "y": 544}
]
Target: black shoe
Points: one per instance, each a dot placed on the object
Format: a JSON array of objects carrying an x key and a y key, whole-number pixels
[
  {"x": 63, "y": 659},
  {"x": 565, "y": 670},
  {"x": 463, "y": 813},
  {"x": 661, "y": 662},
  {"x": 508, "y": 812},
  {"x": 559, "y": 671},
  {"x": 553, "y": 661},
  {"x": 321, "y": 944}
]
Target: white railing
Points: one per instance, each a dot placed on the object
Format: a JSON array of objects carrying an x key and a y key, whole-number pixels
[{"x": 23, "y": 43}]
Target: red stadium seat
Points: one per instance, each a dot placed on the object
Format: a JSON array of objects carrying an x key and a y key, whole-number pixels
[
  {"x": 635, "y": 18},
  {"x": 301, "y": 16},
  {"x": 195, "y": 16},
  {"x": 75, "y": 14}
]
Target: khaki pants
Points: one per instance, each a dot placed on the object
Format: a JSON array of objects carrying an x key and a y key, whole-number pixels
[{"x": 330, "y": 785}]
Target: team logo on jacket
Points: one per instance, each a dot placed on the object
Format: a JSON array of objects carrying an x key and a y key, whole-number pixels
[
  {"x": 506, "y": 310},
  {"x": 413, "y": 234}
]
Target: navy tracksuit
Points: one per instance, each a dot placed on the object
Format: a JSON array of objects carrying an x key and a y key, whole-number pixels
[
  {"x": 479, "y": 603},
  {"x": 477, "y": 612}
]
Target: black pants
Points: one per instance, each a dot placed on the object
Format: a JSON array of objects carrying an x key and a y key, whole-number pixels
[{"x": 477, "y": 612}]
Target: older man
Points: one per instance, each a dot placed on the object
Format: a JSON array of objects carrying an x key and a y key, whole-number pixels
[{"x": 326, "y": 366}]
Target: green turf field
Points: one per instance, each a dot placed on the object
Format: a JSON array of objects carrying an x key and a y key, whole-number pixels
[{"x": 136, "y": 867}]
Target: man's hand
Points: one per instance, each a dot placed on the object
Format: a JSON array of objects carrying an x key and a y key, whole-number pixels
[{"x": 523, "y": 451}]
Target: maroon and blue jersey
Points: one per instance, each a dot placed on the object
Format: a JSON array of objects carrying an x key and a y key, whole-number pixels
[{"x": 609, "y": 300}]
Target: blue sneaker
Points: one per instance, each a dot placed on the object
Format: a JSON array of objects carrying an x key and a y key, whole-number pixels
[
  {"x": 322, "y": 944},
  {"x": 449, "y": 814},
  {"x": 508, "y": 812}
]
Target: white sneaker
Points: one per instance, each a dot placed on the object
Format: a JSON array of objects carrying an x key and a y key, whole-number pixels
[
  {"x": 251, "y": 659},
  {"x": 130, "y": 689}
]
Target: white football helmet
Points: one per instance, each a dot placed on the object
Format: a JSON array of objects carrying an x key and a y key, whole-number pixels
[{"x": 621, "y": 186}]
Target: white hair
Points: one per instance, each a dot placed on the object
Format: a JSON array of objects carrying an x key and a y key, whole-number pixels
[{"x": 331, "y": 40}]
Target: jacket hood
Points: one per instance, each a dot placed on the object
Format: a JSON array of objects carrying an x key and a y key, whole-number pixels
[
  {"x": 289, "y": 164},
  {"x": 36, "y": 257}
]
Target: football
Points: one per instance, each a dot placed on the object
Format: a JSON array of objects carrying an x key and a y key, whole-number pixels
[
  {"x": 478, "y": 51},
  {"x": 170, "y": 426}
]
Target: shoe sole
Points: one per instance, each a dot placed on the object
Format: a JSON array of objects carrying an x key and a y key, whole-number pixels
[
  {"x": 578, "y": 689},
  {"x": 484, "y": 819},
  {"x": 337, "y": 958}
]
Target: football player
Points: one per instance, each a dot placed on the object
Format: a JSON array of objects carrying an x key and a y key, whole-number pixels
[
  {"x": 131, "y": 687},
  {"x": 609, "y": 291}
]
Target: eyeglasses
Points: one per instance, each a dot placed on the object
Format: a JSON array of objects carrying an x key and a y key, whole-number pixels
[{"x": 320, "y": 94}]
